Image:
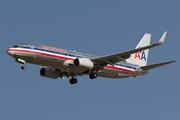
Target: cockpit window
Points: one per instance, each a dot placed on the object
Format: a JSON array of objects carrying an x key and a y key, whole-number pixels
[{"x": 18, "y": 46}]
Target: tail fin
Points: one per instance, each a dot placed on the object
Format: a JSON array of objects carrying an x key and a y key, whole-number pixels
[{"x": 140, "y": 58}]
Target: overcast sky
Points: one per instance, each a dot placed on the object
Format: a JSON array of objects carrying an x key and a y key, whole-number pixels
[{"x": 94, "y": 27}]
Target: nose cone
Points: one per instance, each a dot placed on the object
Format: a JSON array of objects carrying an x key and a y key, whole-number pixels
[{"x": 10, "y": 52}]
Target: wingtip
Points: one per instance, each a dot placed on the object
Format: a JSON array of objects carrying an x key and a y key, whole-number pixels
[
  {"x": 162, "y": 38},
  {"x": 173, "y": 61}
]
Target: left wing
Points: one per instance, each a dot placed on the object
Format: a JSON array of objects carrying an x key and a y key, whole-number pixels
[{"x": 114, "y": 58}]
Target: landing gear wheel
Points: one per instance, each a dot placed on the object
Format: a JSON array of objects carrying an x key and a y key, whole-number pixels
[
  {"x": 73, "y": 81},
  {"x": 93, "y": 75},
  {"x": 23, "y": 67}
]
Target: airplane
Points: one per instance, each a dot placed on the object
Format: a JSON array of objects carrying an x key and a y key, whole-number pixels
[{"x": 60, "y": 62}]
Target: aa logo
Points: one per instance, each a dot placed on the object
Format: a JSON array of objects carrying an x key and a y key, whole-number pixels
[{"x": 140, "y": 55}]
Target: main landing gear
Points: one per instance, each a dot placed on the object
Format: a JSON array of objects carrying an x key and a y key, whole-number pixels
[
  {"x": 73, "y": 80},
  {"x": 92, "y": 75}
]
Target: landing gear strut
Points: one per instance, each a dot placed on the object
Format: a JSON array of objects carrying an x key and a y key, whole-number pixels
[
  {"x": 93, "y": 75},
  {"x": 22, "y": 62},
  {"x": 73, "y": 81}
]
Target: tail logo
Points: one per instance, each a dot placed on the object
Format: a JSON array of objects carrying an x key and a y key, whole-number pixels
[{"x": 140, "y": 55}]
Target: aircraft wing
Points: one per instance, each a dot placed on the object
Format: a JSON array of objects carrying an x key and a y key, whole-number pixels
[{"x": 122, "y": 56}]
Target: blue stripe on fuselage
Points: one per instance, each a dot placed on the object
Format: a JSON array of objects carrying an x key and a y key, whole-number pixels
[{"x": 120, "y": 64}]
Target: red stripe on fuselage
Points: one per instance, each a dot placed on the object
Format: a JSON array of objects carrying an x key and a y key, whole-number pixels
[
  {"x": 117, "y": 68},
  {"x": 62, "y": 57},
  {"x": 40, "y": 53}
]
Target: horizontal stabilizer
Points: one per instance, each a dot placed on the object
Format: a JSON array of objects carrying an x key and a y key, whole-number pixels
[{"x": 156, "y": 65}]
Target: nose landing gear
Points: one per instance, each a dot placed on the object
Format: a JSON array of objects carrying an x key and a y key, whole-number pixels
[
  {"x": 22, "y": 62},
  {"x": 23, "y": 67}
]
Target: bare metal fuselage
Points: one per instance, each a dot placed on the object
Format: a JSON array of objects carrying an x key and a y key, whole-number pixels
[
  {"x": 55, "y": 58},
  {"x": 60, "y": 62}
]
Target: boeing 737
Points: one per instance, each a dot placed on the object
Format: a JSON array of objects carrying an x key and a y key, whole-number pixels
[{"x": 60, "y": 62}]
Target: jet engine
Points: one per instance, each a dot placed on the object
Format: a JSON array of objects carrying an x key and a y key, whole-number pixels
[
  {"x": 49, "y": 73},
  {"x": 83, "y": 64},
  {"x": 68, "y": 65}
]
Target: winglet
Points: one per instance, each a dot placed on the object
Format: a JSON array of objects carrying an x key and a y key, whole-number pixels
[{"x": 162, "y": 38}]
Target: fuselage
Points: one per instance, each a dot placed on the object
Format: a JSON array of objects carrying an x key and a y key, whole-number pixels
[{"x": 56, "y": 57}]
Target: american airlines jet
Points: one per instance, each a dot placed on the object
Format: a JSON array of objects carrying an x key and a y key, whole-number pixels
[{"x": 60, "y": 62}]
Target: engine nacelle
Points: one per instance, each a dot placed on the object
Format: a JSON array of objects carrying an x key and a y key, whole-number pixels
[
  {"x": 49, "y": 73},
  {"x": 83, "y": 64},
  {"x": 67, "y": 65}
]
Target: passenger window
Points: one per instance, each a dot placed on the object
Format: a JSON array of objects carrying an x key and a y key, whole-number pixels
[{"x": 79, "y": 56}]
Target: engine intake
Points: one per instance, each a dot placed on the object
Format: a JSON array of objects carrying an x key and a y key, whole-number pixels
[
  {"x": 83, "y": 64},
  {"x": 49, "y": 73}
]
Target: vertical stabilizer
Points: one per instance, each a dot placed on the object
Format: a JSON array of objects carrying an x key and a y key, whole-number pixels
[{"x": 140, "y": 58}]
